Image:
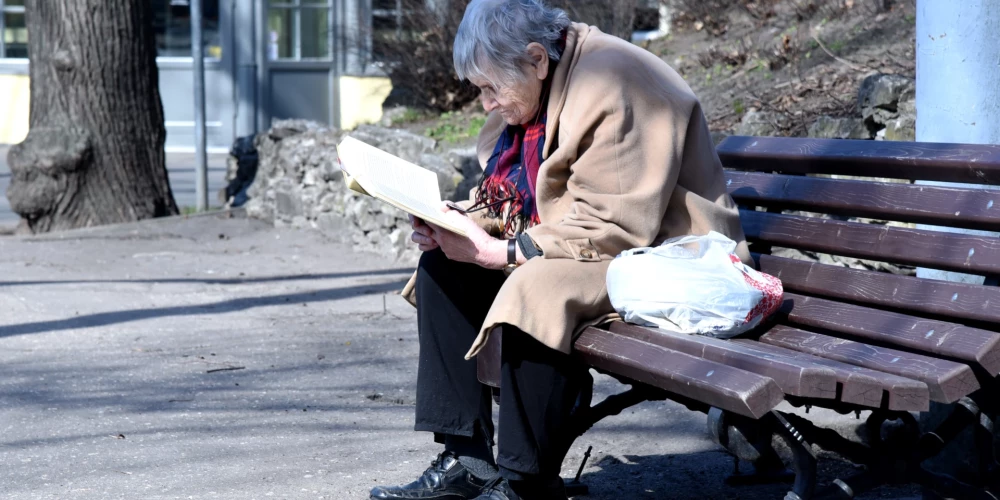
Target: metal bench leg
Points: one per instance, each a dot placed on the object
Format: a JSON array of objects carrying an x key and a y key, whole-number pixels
[
  {"x": 585, "y": 415},
  {"x": 988, "y": 465},
  {"x": 897, "y": 457},
  {"x": 986, "y": 436},
  {"x": 750, "y": 440},
  {"x": 965, "y": 414},
  {"x": 893, "y": 459},
  {"x": 804, "y": 463}
]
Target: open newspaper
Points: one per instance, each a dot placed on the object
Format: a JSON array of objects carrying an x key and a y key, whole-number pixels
[{"x": 408, "y": 187}]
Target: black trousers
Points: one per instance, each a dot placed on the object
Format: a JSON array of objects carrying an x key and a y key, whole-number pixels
[{"x": 539, "y": 386}]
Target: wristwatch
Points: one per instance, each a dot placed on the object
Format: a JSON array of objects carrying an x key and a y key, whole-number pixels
[{"x": 511, "y": 257}]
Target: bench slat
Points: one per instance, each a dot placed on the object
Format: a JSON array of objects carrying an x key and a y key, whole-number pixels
[
  {"x": 962, "y": 301},
  {"x": 795, "y": 376},
  {"x": 859, "y": 385},
  {"x": 862, "y": 386},
  {"x": 938, "y": 338},
  {"x": 947, "y": 381},
  {"x": 936, "y": 250},
  {"x": 969, "y": 163},
  {"x": 713, "y": 383},
  {"x": 953, "y": 207}
]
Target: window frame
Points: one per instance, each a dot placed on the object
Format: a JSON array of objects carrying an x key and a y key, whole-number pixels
[
  {"x": 396, "y": 14},
  {"x": 181, "y": 60},
  {"x": 359, "y": 58},
  {"x": 295, "y": 8},
  {"x": 5, "y": 9}
]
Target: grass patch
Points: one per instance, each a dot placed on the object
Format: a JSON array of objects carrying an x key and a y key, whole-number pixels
[
  {"x": 409, "y": 115},
  {"x": 759, "y": 64},
  {"x": 189, "y": 210},
  {"x": 455, "y": 127},
  {"x": 738, "y": 107}
]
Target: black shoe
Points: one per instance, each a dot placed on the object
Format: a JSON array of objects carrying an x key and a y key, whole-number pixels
[
  {"x": 501, "y": 489},
  {"x": 445, "y": 479}
]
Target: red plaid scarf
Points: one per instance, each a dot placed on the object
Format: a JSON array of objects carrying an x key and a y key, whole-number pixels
[{"x": 508, "y": 183}]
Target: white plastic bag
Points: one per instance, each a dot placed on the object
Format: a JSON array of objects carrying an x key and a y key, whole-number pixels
[{"x": 692, "y": 284}]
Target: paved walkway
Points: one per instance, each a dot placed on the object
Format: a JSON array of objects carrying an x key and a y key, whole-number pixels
[
  {"x": 213, "y": 357},
  {"x": 180, "y": 170}
]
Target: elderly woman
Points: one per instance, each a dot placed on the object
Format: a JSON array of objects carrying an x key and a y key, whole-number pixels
[{"x": 592, "y": 146}]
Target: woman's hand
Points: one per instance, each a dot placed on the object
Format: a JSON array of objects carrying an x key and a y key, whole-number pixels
[
  {"x": 423, "y": 235},
  {"x": 477, "y": 248}
]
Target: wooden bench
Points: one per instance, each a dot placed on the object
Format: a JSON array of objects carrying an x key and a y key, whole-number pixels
[{"x": 845, "y": 339}]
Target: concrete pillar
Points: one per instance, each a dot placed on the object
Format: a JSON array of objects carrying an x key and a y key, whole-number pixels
[
  {"x": 263, "y": 76},
  {"x": 958, "y": 101},
  {"x": 355, "y": 27},
  {"x": 958, "y": 80},
  {"x": 958, "y": 71},
  {"x": 245, "y": 62}
]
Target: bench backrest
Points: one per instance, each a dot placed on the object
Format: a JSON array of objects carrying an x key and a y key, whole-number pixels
[{"x": 791, "y": 197}]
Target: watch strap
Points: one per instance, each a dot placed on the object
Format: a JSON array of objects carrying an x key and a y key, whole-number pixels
[
  {"x": 528, "y": 248},
  {"x": 512, "y": 252}
]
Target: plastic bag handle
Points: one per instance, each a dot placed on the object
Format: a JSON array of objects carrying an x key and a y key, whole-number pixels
[{"x": 667, "y": 248}]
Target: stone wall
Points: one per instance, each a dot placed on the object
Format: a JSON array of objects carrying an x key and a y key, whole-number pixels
[{"x": 299, "y": 184}]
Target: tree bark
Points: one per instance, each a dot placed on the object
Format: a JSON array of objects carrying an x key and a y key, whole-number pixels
[{"x": 94, "y": 150}]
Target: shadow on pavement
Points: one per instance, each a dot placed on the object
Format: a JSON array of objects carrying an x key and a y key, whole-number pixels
[
  {"x": 697, "y": 475},
  {"x": 225, "y": 306},
  {"x": 701, "y": 475},
  {"x": 219, "y": 281}
]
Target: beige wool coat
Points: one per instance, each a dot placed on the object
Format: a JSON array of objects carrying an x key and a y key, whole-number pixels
[{"x": 628, "y": 162}]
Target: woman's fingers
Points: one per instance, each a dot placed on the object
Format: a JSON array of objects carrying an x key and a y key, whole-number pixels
[
  {"x": 425, "y": 231},
  {"x": 424, "y": 242},
  {"x": 420, "y": 226},
  {"x": 417, "y": 222},
  {"x": 421, "y": 239}
]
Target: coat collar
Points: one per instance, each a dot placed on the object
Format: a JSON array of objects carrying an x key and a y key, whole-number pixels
[{"x": 575, "y": 36}]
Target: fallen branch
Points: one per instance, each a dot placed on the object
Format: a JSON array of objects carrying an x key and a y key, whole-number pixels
[
  {"x": 227, "y": 369},
  {"x": 835, "y": 57}
]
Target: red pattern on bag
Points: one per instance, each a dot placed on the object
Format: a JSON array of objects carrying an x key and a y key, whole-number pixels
[{"x": 768, "y": 285}]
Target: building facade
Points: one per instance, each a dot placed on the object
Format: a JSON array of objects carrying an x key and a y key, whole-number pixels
[{"x": 264, "y": 60}]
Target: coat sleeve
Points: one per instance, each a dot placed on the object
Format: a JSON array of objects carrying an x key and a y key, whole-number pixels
[{"x": 623, "y": 155}]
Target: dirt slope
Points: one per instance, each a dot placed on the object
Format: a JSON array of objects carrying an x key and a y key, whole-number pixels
[{"x": 804, "y": 58}]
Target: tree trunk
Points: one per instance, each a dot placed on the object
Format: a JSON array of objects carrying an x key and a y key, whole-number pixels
[{"x": 94, "y": 150}]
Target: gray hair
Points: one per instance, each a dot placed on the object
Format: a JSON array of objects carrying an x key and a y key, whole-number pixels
[{"x": 491, "y": 41}]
